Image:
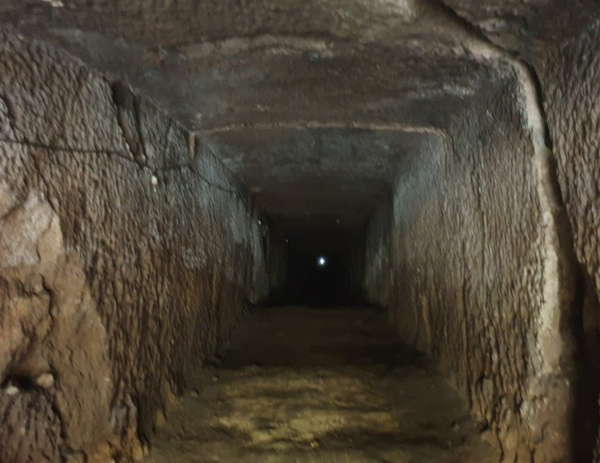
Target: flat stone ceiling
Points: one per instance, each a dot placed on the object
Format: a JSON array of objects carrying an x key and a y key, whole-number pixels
[
  {"x": 311, "y": 103},
  {"x": 300, "y": 172}
]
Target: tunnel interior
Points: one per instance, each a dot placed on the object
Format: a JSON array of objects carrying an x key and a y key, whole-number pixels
[
  {"x": 318, "y": 187},
  {"x": 244, "y": 196},
  {"x": 324, "y": 264}
]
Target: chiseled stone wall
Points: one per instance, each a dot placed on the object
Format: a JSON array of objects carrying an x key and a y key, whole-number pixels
[
  {"x": 468, "y": 261},
  {"x": 127, "y": 254},
  {"x": 570, "y": 81}
]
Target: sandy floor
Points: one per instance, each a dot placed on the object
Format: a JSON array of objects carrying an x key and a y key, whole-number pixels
[{"x": 319, "y": 385}]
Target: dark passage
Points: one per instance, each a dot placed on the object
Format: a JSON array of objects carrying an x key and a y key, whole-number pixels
[{"x": 324, "y": 266}]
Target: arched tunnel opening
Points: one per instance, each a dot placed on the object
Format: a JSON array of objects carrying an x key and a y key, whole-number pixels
[{"x": 337, "y": 230}]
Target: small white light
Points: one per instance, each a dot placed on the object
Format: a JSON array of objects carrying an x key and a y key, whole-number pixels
[
  {"x": 322, "y": 261},
  {"x": 154, "y": 180}
]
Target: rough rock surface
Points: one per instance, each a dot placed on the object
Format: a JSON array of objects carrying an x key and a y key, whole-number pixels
[
  {"x": 468, "y": 246},
  {"x": 262, "y": 80},
  {"x": 128, "y": 255},
  {"x": 560, "y": 41},
  {"x": 569, "y": 77}
]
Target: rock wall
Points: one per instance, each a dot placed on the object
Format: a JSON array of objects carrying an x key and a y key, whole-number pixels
[
  {"x": 467, "y": 258},
  {"x": 127, "y": 254},
  {"x": 570, "y": 80}
]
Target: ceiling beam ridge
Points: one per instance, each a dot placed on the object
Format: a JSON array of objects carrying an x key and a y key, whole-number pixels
[{"x": 308, "y": 124}]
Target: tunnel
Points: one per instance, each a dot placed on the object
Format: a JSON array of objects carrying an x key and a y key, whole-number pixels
[{"x": 299, "y": 231}]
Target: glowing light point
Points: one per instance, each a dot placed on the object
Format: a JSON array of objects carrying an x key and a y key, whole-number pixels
[{"x": 322, "y": 261}]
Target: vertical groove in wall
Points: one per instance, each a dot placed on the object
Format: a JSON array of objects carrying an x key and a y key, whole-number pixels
[
  {"x": 573, "y": 280},
  {"x": 551, "y": 396},
  {"x": 563, "y": 290}
]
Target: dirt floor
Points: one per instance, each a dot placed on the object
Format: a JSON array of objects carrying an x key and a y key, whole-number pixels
[{"x": 319, "y": 385}]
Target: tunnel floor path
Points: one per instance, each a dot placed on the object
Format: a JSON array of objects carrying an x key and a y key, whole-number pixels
[{"x": 332, "y": 385}]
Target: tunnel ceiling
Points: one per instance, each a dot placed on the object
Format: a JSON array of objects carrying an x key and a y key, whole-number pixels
[
  {"x": 314, "y": 172},
  {"x": 312, "y": 104}
]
